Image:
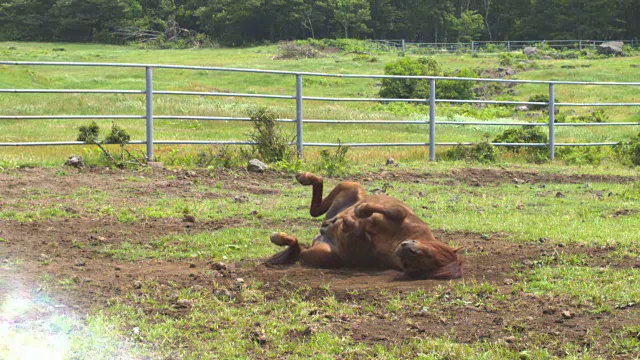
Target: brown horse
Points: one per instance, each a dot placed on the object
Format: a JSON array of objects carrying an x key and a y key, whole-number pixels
[{"x": 369, "y": 232}]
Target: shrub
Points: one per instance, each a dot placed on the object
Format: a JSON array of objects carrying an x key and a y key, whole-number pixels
[
  {"x": 629, "y": 151},
  {"x": 525, "y": 135},
  {"x": 582, "y": 155},
  {"x": 334, "y": 163},
  {"x": 482, "y": 152},
  {"x": 509, "y": 59},
  {"x": 90, "y": 134},
  {"x": 457, "y": 89},
  {"x": 418, "y": 88},
  {"x": 409, "y": 88},
  {"x": 293, "y": 50},
  {"x": 539, "y": 98},
  {"x": 271, "y": 145}
]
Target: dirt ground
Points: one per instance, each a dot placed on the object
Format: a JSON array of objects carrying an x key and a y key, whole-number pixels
[{"x": 51, "y": 247}]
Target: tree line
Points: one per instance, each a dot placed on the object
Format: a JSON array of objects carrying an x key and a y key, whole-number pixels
[{"x": 243, "y": 22}]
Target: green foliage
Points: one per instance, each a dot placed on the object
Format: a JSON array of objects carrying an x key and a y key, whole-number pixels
[
  {"x": 583, "y": 155},
  {"x": 629, "y": 151},
  {"x": 293, "y": 50},
  {"x": 271, "y": 144},
  {"x": 525, "y": 135},
  {"x": 419, "y": 88},
  {"x": 510, "y": 59},
  {"x": 539, "y": 98},
  {"x": 409, "y": 88},
  {"x": 597, "y": 116},
  {"x": 482, "y": 152},
  {"x": 117, "y": 136},
  {"x": 90, "y": 134},
  {"x": 333, "y": 163},
  {"x": 457, "y": 89}
]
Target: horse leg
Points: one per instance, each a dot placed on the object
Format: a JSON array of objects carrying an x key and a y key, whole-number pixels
[
  {"x": 341, "y": 197},
  {"x": 287, "y": 256}
]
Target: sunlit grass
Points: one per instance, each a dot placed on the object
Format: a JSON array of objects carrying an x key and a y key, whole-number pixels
[{"x": 614, "y": 69}]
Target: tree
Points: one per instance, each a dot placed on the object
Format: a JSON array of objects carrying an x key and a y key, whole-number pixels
[{"x": 351, "y": 14}]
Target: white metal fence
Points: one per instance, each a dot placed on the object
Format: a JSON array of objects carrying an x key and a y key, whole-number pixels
[
  {"x": 482, "y": 46},
  {"x": 149, "y": 115}
]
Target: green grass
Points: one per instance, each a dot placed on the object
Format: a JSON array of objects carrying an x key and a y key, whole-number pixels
[{"x": 614, "y": 69}]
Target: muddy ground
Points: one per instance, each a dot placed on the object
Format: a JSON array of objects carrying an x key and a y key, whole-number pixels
[{"x": 35, "y": 248}]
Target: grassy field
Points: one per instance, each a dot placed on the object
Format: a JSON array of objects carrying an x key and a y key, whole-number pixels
[{"x": 613, "y": 69}]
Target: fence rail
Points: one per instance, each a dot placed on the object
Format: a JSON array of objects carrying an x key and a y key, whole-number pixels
[
  {"x": 404, "y": 46},
  {"x": 149, "y": 115}
]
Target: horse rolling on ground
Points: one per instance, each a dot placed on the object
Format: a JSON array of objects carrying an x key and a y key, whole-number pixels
[{"x": 368, "y": 232}]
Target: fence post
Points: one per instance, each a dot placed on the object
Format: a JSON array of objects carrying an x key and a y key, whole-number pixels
[
  {"x": 580, "y": 45},
  {"x": 552, "y": 121},
  {"x": 473, "y": 48},
  {"x": 508, "y": 46},
  {"x": 149, "y": 101},
  {"x": 432, "y": 119},
  {"x": 299, "y": 115},
  {"x": 403, "y": 46}
]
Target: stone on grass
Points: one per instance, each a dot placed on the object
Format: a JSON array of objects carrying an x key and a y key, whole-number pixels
[{"x": 256, "y": 165}]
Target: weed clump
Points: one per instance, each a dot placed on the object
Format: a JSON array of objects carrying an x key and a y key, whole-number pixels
[
  {"x": 629, "y": 151},
  {"x": 525, "y": 135},
  {"x": 270, "y": 142},
  {"x": 334, "y": 163},
  {"x": 482, "y": 152},
  {"x": 90, "y": 134},
  {"x": 293, "y": 50}
]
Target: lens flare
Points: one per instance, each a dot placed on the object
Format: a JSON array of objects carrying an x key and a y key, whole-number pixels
[{"x": 33, "y": 327}]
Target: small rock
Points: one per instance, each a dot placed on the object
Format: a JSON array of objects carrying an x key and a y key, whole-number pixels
[
  {"x": 560, "y": 195},
  {"x": 43, "y": 257},
  {"x": 192, "y": 265},
  {"x": 522, "y": 108},
  {"x": 256, "y": 165},
  {"x": 530, "y": 50},
  {"x": 75, "y": 161},
  {"x": 118, "y": 268},
  {"x": 240, "y": 281},
  {"x": 391, "y": 161},
  {"x": 81, "y": 262},
  {"x": 543, "y": 240},
  {"x": 508, "y": 281},
  {"x": 137, "y": 284},
  {"x": 189, "y": 218},
  {"x": 567, "y": 315}
]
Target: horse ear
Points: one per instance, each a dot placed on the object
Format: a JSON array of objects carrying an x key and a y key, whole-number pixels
[{"x": 458, "y": 249}]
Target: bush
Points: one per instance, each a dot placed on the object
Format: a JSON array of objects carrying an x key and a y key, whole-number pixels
[
  {"x": 629, "y": 151},
  {"x": 457, "y": 89},
  {"x": 293, "y": 50},
  {"x": 509, "y": 59},
  {"x": 418, "y": 88},
  {"x": 582, "y": 155},
  {"x": 525, "y": 135},
  {"x": 90, "y": 134},
  {"x": 482, "y": 152},
  {"x": 333, "y": 163},
  {"x": 271, "y": 145},
  {"x": 409, "y": 88},
  {"x": 539, "y": 98}
]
